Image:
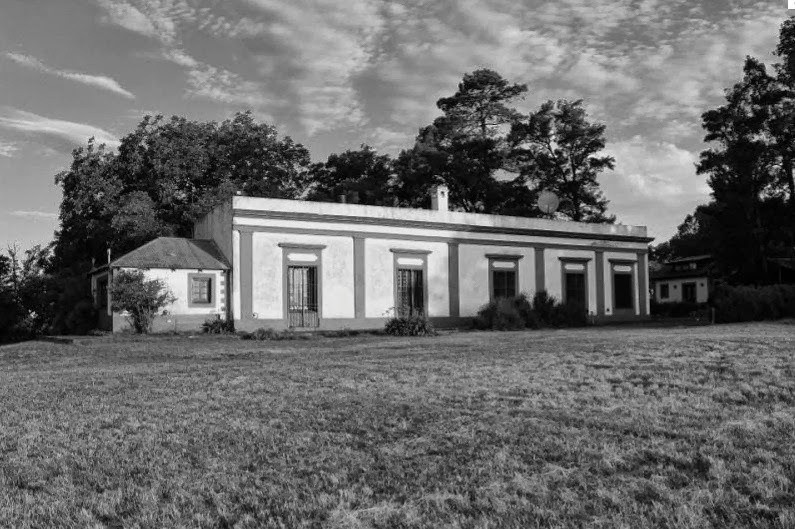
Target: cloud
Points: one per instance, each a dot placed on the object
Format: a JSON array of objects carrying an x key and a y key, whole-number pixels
[
  {"x": 149, "y": 19},
  {"x": 8, "y": 149},
  {"x": 67, "y": 133},
  {"x": 98, "y": 81},
  {"x": 34, "y": 215},
  {"x": 654, "y": 184}
]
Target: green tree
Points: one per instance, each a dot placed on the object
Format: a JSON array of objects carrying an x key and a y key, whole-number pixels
[
  {"x": 167, "y": 174},
  {"x": 464, "y": 148},
  {"x": 558, "y": 149},
  {"x": 740, "y": 166},
  {"x": 142, "y": 299},
  {"x": 362, "y": 176}
]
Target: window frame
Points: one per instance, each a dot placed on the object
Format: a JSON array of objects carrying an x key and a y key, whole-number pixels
[
  {"x": 103, "y": 288},
  {"x": 402, "y": 253},
  {"x": 667, "y": 291},
  {"x": 287, "y": 262},
  {"x": 633, "y": 284},
  {"x": 685, "y": 285},
  {"x": 210, "y": 290},
  {"x": 497, "y": 258},
  {"x": 584, "y": 261}
]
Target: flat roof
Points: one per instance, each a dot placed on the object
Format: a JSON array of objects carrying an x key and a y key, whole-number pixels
[{"x": 452, "y": 220}]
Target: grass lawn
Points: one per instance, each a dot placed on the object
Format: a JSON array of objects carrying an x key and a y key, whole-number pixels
[{"x": 632, "y": 427}]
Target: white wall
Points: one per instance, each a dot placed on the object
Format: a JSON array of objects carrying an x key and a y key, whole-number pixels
[
  {"x": 553, "y": 271},
  {"x": 473, "y": 270},
  {"x": 675, "y": 289},
  {"x": 177, "y": 282},
  {"x": 337, "y": 294},
  {"x": 380, "y": 273}
]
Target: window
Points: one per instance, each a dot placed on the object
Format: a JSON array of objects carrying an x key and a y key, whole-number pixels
[
  {"x": 302, "y": 284},
  {"x": 623, "y": 285},
  {"x": 201, "y": 289},
  {"x": 689, "y": 292},
  {"x": 410, "y": 292},
  {"x": 503, "y": 275},
  {"x": 411, "y": 285},
  {"x": 302, "y": 288},
  {"x": 664, "y": 291},
  {"x": 575, "y": 283},
  {"x": 503, "y": 284},
  {"x": 574, "y": 293},
  {"x": 622, "y": 291}
]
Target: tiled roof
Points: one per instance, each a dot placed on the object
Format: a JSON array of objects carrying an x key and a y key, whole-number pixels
[
  {"x": 174, "y": 252},
  {"x": 691, "y": 258}
]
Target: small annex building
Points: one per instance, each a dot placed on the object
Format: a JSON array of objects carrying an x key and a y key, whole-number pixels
[
  {"x": 195, "y": 270},
  {"x": 688, "y": 279},
  {"x": 315, "y": 265}
]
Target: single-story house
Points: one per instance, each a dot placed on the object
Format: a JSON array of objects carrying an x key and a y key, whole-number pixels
[
  {"x": 194, "y": 270},
  {"x": 687, "y": 279},
  {"x": 316, "y": 265}
]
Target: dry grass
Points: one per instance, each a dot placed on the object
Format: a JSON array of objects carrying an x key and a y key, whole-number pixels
[{"x": 688, "y": 427}]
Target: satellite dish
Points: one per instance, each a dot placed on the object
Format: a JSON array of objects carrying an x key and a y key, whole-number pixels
[{"x": 548, "y": 202}]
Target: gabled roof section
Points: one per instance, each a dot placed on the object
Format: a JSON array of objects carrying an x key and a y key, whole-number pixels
[{"x": 176, "y": 253}]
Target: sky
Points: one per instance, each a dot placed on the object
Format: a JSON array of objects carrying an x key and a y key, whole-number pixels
[{"x": 334, "y": 74}]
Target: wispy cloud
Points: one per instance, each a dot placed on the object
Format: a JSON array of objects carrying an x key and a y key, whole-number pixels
[
  {"x": 147, "y": 19},
  {"x": 34, "y": 215},
  {"x": 98, "y": 81},
  {"x": 65, "y": 131},
  {"x": 8, "y": 149}
]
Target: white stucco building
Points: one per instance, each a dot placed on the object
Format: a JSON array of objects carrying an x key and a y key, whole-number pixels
[
  {"x": 323, "y": 265},
  {"x": 684, "y": 280}
]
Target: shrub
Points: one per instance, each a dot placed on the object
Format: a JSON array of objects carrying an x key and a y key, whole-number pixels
[
  {"x": 82, "y": 318},
  {"x": 678, "y": 309},
  {"x": 416, "y": 325},
  {"x": 142, "y": 299},
  {"x": 566, "y": 315},
  {"x": 544, "y": 306},
  {"x": 518, "y": 313},
  {"x": 218, "y": 325},
  {"x": 269, "y": 334},
  {"x": 504, "y": 314},
  {"x": 747, "y": 303}
]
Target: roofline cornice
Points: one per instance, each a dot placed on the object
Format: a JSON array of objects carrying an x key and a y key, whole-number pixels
[{"x": 430, "y": 225}]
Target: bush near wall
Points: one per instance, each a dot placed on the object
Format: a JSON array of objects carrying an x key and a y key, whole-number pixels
[
  {"x": 747, "y": 303},
  {"x": 416, "y": 325},
  {"x": 519, "y": 313},
  {"x": 678, "y": 309}
]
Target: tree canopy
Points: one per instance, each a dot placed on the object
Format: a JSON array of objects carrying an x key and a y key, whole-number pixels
[
  {"x": 749, "y": 168},
  {"x": 168, "y": 172}
]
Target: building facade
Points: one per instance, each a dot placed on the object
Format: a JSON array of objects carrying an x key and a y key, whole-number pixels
[
  {"x": 685, "y": 280},
  {"x": 313, "y": 265}
]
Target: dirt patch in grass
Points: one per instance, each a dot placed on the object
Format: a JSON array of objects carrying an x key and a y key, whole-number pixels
[{"x": 631, "y": 427}]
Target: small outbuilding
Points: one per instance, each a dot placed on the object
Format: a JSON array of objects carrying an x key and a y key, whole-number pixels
[
  {"x": 194, "y": 270},
  {"x": 688, "y": 279}
]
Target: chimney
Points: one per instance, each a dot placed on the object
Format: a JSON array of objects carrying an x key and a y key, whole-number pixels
[{"x": 439, "y": 196}]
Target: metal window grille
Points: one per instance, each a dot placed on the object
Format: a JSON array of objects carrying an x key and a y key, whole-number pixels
[
  {"x": 303, "y": 301},
  {"x": 410, "y": 292}
]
